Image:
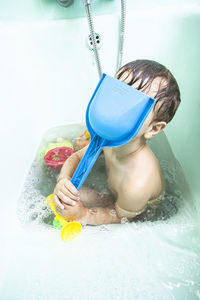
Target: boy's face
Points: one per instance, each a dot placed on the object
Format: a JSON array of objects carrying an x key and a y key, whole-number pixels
[{"x": 149, "y": 128}]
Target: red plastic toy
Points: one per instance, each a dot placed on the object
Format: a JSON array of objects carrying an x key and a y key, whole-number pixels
[{"x": 56, "y": 157}]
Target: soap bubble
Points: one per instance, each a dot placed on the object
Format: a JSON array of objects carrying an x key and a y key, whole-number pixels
[
  {"x": 60, "y": 139},
  {"x": 112, "y": 212},
  {"x": 124, "y": 220},
  {"x": 103, "y": 228}
]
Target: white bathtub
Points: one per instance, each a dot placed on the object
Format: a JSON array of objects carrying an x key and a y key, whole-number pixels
[{"x": 47, "y": 75}]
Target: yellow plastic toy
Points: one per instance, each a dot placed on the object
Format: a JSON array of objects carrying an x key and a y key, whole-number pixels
[
  {"x": 83, "y": 140},
  {"x": 87, "y": 135},
  {"x": 70, "y": 229},
  {"x": 65, "y": 143}
]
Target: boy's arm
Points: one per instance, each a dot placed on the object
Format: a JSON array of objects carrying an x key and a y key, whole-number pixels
[
  {"x": 100, "y": 215},
  {"x": 131, "y": 201},
  {"x": 71, "y": 164},
  {"x": 64, "y": 190}
]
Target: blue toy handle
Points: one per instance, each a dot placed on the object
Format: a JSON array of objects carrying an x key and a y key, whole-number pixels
[{"x": 88, "y": 160}]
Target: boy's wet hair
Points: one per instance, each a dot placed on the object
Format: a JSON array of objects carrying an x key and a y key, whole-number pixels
[{"x": 168, "y": 94}]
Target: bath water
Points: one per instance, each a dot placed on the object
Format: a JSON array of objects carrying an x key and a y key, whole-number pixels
[{"x": 156, "y": 259}]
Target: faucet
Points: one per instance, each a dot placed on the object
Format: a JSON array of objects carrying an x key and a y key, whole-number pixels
[{"x": 65, "y": 3}]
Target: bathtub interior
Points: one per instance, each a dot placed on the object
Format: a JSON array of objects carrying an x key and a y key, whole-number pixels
[
  {"x": 172, "y": 240},
  {"x": 153, "y": 260},
  {"x": 41, "y": 180},
  {"x": 43, "y": 81}
]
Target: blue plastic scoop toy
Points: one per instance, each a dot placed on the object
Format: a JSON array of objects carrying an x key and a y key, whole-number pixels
[{"x": 114, "y": 116}]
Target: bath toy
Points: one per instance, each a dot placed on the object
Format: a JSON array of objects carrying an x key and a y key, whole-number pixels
[
  {"x": 56, "y": 157},
  {"x": 114, "y": 116},
  {"x": 80, "y": 142},
  {"x": 87, "y": 135},
  {"x": 70, "y": 229},
  {"x": 64, "y": 143}
]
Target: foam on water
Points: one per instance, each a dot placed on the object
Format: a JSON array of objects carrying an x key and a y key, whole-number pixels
[{"x": 157, "y": 259}]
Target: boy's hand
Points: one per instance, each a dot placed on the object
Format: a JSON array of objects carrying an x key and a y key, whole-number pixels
[
  {"x": 65, "y": 192},
  {"x": 69, "y": 212}
]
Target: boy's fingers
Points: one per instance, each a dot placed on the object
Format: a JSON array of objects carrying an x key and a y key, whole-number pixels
[
  {"x": 66, "y": 199},
  {"x": 72, "y": 188},
  {"x": 67, "y": 193},
  {"x": 57, "y": 201}
]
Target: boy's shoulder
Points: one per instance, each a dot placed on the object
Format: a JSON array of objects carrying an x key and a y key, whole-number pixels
[
  {"x": 136, "y": 189},
  {"x": 146, "y": 177}
]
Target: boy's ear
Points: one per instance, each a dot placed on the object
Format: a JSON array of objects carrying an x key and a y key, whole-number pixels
[{"x": 154, "y": 129}]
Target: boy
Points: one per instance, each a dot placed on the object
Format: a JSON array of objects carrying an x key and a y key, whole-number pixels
[{"x": 134, "y": 175}]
